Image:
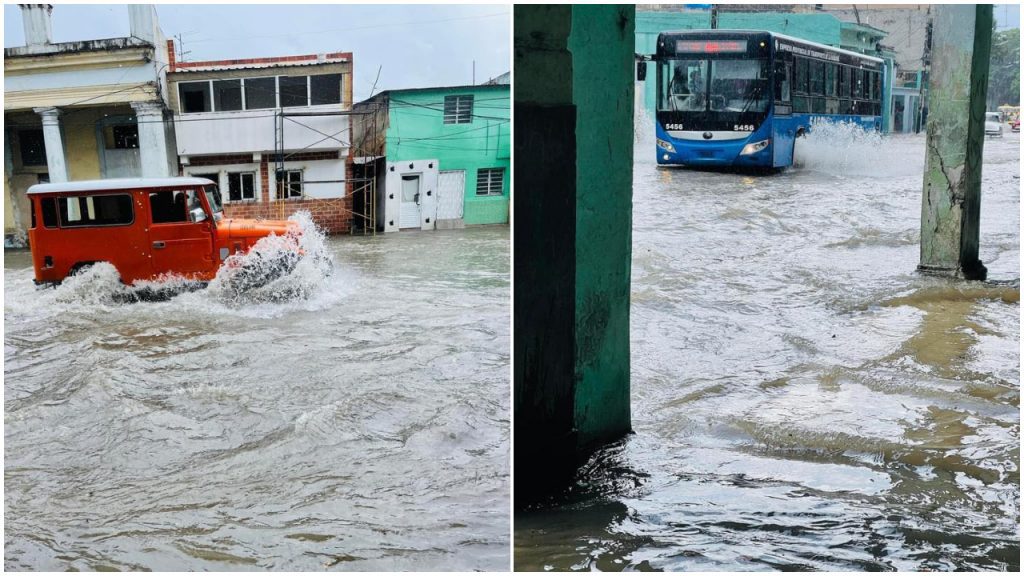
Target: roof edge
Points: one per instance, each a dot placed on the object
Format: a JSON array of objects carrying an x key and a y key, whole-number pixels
[{"x": 115, "y": 184}]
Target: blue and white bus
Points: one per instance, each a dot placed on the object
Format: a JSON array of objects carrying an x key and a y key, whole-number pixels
[{"x": 740, "y": 98}]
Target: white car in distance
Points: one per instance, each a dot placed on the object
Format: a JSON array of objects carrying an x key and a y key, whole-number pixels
[{"x": 993, "y": 127}]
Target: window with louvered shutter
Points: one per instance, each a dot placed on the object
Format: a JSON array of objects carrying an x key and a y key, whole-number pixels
[
  {"x": 458, "y": 109},
  {"x": 489, "y": 181}
]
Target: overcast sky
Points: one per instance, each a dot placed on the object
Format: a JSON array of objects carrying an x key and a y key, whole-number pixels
[
  {"x": 416, "y": 45},
  {"x": 1006, "y": 15}
]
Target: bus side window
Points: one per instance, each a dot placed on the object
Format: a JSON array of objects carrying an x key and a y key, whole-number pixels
[
  {"x": 817, "y": 78},
  {"x": 782, "y": 81},
  {"x": 846, "y": 106},
  {"x": 800, "y": 102},
  {"x": 800, "y": 87},
  {"x": 830, "y": 80}
]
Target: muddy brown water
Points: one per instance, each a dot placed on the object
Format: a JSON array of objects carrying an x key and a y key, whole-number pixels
[
  {"x": 802, "y": 398},
  {"x": 363, "y": 428}
]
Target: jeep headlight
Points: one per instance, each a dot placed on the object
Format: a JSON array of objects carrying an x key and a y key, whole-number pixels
[
  {"x": 755, "y": 147},
  {"x": 667, "y": 146}
]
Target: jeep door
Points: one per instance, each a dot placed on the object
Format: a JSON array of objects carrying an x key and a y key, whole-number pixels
[{"x": 181, "y": 234}]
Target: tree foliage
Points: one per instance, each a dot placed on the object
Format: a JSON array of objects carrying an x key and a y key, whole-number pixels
[{"x": 1004, "y": 69}]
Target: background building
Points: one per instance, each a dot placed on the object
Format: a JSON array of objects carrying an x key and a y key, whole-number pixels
[
  {"x": 83, "y": 110},
  {"x": 441, "y": 156},
  {"x": 273, "y": 132}
]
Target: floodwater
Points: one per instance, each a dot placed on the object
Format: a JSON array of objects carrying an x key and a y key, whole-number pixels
[
  {"x": 363, "y": 427},
  {"x": 802, "y": 399}
]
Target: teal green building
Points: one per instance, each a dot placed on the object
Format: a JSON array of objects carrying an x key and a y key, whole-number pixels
[
  {"x": 817, "y": 27},
  {"x": 442, "y": 155}
]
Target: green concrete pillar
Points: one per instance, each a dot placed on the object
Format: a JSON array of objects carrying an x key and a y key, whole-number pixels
[
  {"x": 573, "y": 231},
  {"x": 950, "y": 208}
]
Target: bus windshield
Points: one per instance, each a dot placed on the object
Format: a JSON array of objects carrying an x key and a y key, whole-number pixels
[{"x": 713, "y": 85}]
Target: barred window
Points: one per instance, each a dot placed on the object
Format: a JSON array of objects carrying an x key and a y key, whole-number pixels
[
  {"x": 241, "y": 186},
  {"x": 290, "y": 184},
  {"x": 489, "y": 181},
  {"x": 458, "y": 109}
]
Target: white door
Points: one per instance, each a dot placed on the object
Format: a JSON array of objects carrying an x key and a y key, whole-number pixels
[
  {"x": 451, "y": 187},
  {"x": 410, "y": 215}
]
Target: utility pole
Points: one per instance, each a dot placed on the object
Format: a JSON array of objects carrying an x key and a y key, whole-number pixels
[{"x": 951, "y": 199}]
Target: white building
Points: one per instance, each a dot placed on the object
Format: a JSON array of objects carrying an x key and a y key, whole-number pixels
[
  {"x": 273, "y": 132},
  {"x": 83, "y": 110}
]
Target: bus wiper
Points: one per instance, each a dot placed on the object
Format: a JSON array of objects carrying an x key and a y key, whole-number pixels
[{"x": 755, "y": 96}]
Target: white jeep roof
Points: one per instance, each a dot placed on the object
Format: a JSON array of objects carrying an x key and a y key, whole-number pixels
[{"x": 117, "y": 184}]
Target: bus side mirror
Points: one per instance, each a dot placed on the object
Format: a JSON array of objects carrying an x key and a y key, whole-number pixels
[
  {"x": 198, "y": 215},
  {"x": 641, "y": 71}
]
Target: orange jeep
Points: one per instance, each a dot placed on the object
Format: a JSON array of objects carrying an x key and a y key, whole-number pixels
[{"x": 145, "y": 227}]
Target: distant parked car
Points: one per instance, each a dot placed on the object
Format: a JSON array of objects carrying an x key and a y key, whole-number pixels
[
  {"x": 1015, "y": 125},
  {"x": 993, "y": 127}
]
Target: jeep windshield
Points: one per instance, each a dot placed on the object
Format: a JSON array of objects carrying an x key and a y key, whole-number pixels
[{"x": 213, "y": 197}]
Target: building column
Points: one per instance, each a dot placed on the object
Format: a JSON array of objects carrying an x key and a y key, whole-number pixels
[
  {"x": 55, "y": 164},
  {"x": 152, "y": 139},
  {"x": 950, "y": 208},
  {"x": 574, "y": 135}
]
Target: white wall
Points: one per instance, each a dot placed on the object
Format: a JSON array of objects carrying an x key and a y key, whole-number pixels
[
  {"x": 80, "y": 77},
  {"x": 311, "y": 170},
  {"x": 253, "y": 131},
  {"x": 317, "y": 170},
  {"x": 428, "y": 170},
  {"x": 222, "y": 176}
]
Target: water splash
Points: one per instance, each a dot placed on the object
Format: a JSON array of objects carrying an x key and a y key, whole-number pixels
[
  {"x": 847, "y": 149},
  {"x": 277, "y": 268},
  {"x": 280, "y": 273},
  {"x": 100, "y": 284},
  {"x": 643, "y": 129}
]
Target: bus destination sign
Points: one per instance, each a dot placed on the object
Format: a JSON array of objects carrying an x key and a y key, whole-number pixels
[{"x": 712, "y": 46}]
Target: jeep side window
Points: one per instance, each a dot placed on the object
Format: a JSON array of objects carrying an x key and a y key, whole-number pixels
[
  {"x": 100, "y": 210},
  {"x": 49, "y": 208},
  {"x": 167, "y": 206}
]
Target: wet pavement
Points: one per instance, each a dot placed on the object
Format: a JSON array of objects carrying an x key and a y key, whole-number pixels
[
  {"x": 802, "y": 398},
  {"x": 363, "y": 428}
]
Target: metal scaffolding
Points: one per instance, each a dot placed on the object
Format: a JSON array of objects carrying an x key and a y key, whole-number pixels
[{"x": 364, "y": 188}]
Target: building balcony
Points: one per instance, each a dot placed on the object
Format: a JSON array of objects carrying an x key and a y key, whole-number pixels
[{"x": 205, "y": 133}]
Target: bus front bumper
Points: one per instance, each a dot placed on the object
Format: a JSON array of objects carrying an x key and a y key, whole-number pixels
[{"x": 694, "y": 153}]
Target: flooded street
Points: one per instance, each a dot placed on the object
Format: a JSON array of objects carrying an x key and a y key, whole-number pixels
[
  {"x": 802, "y": 398},
  {"x": 364, "y": 428}
]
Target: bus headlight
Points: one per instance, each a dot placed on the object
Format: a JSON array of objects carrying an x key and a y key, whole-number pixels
[
  {"x": 755, "y": 147},
  {"x": 667, "y": 146}
]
